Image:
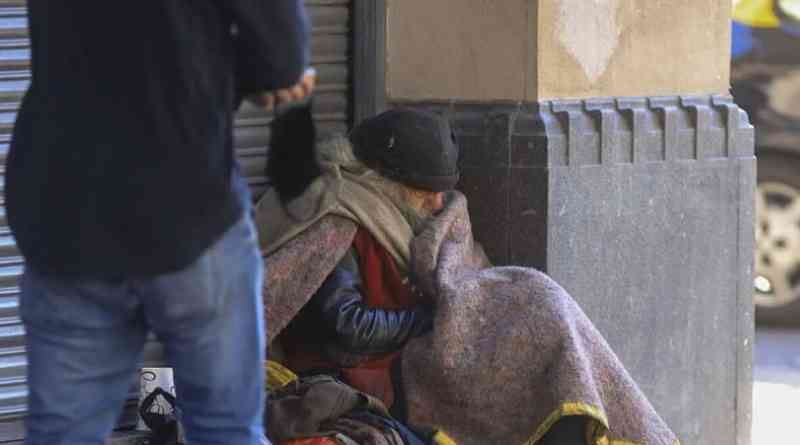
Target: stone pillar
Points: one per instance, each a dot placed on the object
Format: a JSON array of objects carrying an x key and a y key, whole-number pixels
[{"x": 600, "y": 145}]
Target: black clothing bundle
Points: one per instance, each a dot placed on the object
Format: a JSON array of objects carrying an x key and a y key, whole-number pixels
[{"x": 323, "y": 406}]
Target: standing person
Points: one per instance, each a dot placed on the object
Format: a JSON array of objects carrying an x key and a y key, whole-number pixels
[{"x": 125, "y": 200}]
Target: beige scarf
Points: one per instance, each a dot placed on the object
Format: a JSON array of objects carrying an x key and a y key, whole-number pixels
[{"x": 346, "y": 188}]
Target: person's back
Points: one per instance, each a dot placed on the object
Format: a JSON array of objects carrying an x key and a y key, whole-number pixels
[
  {"x": 122, "y": 157},
  {"x": 124, "y": 198}
]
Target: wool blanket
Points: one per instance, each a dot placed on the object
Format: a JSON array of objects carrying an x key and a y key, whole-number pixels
[
  {"x": 346, "y": 188},
  {"x": 510, "y": 353}
]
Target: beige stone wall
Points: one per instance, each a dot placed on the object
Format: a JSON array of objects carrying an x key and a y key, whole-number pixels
[
  {"x": 633, "y": 47},
  {"x": 528, "y": 49},
  {"x": 464, "y": 49}
]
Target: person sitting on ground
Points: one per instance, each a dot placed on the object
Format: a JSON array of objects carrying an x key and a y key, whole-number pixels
[
  {"x": 375, "y": 278},
  {"x": 366, "y": 309}
]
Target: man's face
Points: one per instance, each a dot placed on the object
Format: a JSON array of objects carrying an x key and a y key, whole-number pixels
[
  {"x": 417, "y": 206},
  {"x": 421, "y": 206},
  {"x": 425, "y": 202}
]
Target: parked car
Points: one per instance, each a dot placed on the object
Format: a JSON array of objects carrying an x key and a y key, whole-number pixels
[{"x": 765, "y": 78}]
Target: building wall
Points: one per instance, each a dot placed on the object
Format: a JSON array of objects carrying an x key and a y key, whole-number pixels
[
  {"x": 533, "y": 50},
  {"x": 599, "y": 143},
  {"x": 633, "y": 48},
  {"x": 465, "y": 49}
]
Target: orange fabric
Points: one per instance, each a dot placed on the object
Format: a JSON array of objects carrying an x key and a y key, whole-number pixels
[{"x": 383, "y": 288}]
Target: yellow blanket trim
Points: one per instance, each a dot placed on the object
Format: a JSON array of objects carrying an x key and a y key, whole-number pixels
[
  {"x": 277, "y": 375},
  {"x": 440, "y": 438},
  {"x": 597, "y": 434},
  {"x": 565, "y": 410},
  {"x": 596, "y": 430}
]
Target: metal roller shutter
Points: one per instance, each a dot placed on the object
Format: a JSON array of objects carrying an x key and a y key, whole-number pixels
[
  {"x": 332, "y": 101},
  {"x": 14, "y": 77},
  {"x": 330, "y": 56}
]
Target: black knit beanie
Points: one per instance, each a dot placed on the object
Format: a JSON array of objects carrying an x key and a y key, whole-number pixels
[{"x": 409, "y": 146}]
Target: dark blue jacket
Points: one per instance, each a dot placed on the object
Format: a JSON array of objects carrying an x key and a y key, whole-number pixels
[{"x": 121, "y": 161}]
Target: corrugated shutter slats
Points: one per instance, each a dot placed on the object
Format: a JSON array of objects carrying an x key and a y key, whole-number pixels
[{"x": 14, "y": 78}]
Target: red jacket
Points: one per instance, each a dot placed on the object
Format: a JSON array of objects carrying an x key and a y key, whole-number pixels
[{"x": 382, "y": 287}]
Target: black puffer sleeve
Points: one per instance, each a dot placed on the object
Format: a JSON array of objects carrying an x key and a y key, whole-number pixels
[{"x": 358, "y": 328}]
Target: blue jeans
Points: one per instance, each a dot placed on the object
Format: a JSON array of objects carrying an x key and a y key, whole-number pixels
[{"x": 85, "y": 341}]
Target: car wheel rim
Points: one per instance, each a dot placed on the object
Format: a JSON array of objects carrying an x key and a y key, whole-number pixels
[{"x": 777, "y": 253}]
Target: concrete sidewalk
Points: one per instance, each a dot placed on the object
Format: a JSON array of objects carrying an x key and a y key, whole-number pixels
[{"x": 776, "y": 390}]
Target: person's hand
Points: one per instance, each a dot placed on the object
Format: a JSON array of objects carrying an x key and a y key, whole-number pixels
[{"x": 302, "y": 89}]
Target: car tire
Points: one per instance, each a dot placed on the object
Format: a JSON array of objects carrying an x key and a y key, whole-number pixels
[{"x": 777, "y": 257}]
